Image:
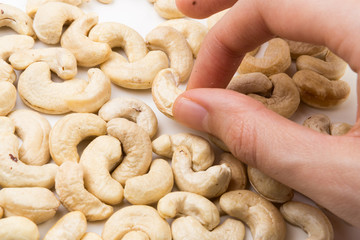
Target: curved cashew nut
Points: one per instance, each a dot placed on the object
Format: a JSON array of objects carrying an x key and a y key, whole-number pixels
[
  {"x": 33, "y": 5},
  {"x": 298, "y": 49},
  {"x": 88, "y": 53},
  {"x": 14, "y": 173},
  {"x": 268, "y": 187},
  {"x": 201, "y": 151},
  {"x": 140, "y": 218},
  {"x": 213, "y": 19},
  {"x": 138, "y": 235},
  {"x": 69, "y": 131},
  {"x": 7, "y": 97},
  {"x": 72, "y": 226},
  {"x": 132, "y": 109},
  {"x": 314, "y": 222},
  {"x": 176, "y": 204},
  {"x": 167, "y": 9},
  {"x": 37, "y": 204},
  {"x": 97, "y": 159},
  {"x": 276, "y": 59},
  {"x": 18, "y": 228},
  {"x": 16, "y": 19},
  {"x": 69, "y": 185},
  {"x": 193, "y": 31},
  {"x": 322, "y": 124},
  {"x": 238, "y": 171},
  {"x": 50, "y": 19},
  {"x": 318, "y": 91},
  {"x": 91, "y": 236},
  {"x": 172, "y": 42},
  {"x": 209, "y": 183},
  {"x": 264, "y": 219},
  {"x": 164, "y": 90},
  {"x": 136, "y": 145},
  {"x": 60, "y": 60},
  {"x": 149, "y": 188}
]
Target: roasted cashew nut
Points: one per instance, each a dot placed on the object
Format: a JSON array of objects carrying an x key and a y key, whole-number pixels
[
  {"x": 318, "y": 91},
  {"x": 72, "y": 226},
  {"x": 322, "y": 124},
  {"x": 69, "y": 131},
  {"x": 7, "y": 97},
  {"x": 33, "y": 5},
  {"x": 338, "y": 129},
  {"x": 97, "y": 159},
  {"x": 264, "y": 219},
  {"x": 69, "y": 186},
  {"x": 37, "y": 204},
  {"x": 132, "y": 109},
  {"x": 136, "y": 145},
  {"x": 138, "y": 218},
  {"x": 167, "y": 9},
  {"x": 311, "y": 219},
  {"x": 91, "y": 236},
  {"x": 150, "y": 187},
  {"x": 298, "y": 49},
  {"x": 33, "y": 129},
  {"x": 18, "y": 228},
  {"x": 88, "y": 53},
  {"x": 238, "y": 171},
  {"x": 50, "y": 19},
  {"x": 172, "y": 42},
  {"x": 16, "y": 19}
]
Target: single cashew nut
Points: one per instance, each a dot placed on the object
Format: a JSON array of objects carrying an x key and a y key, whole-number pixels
[
  {"x": 209, "y": 183},
  {"x": 69, "y": 185},
  {"x": 318, "y": 122},
  {"x": 18, "y": 228},
  {"x": 7, "y": 97},
  {"x": 149, "y": 188},
  {"x": 132, "y": 109},
  {"x": 213, "y": 19},
  {"x": 60, "y": 60},
  {"x": 136, "y": 145},
  {"x": 172, "y": 42},
  {"x": 88, "y": 53},
  {"x": 338, "y": 129},
  {"x": 318, "y": 91},
  {"x": 298, "y": 49},
  {"x": 33, "y": 5},
  {"x": 167, "y": 9},
  {"x": 218, "y": 142},
  {"x": 138, "y": 235},
  {"x": 72, "y": 226},
  {"x": 69, "y": 131},
  {"x": 165, "y": 91},
  {"x": 138, "y": 218},
  {"x": 40, "y": 93},
  {"x": 264, "y": 219},
  {"x": 238, "y": 171},
  {"x": 1, "y": 212},
  {"x": 38, "y": 204},
  {"x": 97, "y": 159},
  {"x": 16, "y": 19},
  {"x": 276, "y": 59},
  {"x": 202, "y": 154},
  {"x": 91, "y": 236},
  {"x": 311, "y": 219}
]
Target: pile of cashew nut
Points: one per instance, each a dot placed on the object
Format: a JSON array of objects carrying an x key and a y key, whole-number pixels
[{"x": 142, "y": 184}]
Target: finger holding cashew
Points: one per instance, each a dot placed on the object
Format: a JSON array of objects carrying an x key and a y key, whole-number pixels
[
  {"x": 69, "y": 131},
  {"x": 16, "y": 19},
  {"x": 18, "y": 228},
  {"x": 139, "y": 218},
  {"x": 33, "y": 5},
  {"x": 298, "y": 49},
  {"x": 7, "y": 97},
  {"x": 167, "y": 9},
  {"x": 98, "y": 159}
]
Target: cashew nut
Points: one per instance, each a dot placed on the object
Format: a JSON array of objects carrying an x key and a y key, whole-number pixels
[
  {"x": 322, "y": 124},
  {"x": 269, "y": 188},
  {"x": 18, "y": 228},
  {"x": 36, "y": 203},
  {"x": 172, "y": 42},
  {"x": 138, "y": 235},
  {"x": 16, "y": 19},
  {"x": 149, "y": 188},
  {"x": 14, "y": 173},
  {"x": 188, "y": 228},
  {"x": 69, "y": 131},
  {"x": 238, "y": 171},
  {"x": 39, "y": 92},
  {"x": 311, "y": 219},
  {"x": 88, "y": 53},
  {"x": 91, "y": 236},
  {"x": 276, "y": 59},
  {"x": 332, "y": 67},
  {"x": 136, "y": 145},
  {"x": 1, "y": 212},
  {"x": 176, "y": 204},
  {"x": 218, "y": 142},
  {"x": 318, "y": 91},
  {"x": 338, "y": 129},
  {"x": 164, "y": 90},
  {"x": 193, "y": 31},
  {"x": 209, "y": 183},
  {"x": 132, "y": 109},
  {"x": 69, "y": 186},
  {"x": 60, "y": 60},
  {"x": 298, "y": 49},
  {"x": 72, "y": 226},
  {"x": 50, "y": 19},
  {"x": 7, "y": 97},
  {"x": 213, "y": 19},
  {"x": 33, "y": 5},
  {"x": 139, "y": 218},
  {"x": 167, "y": 9},
  {"x": 264, "y": 219},
  {"x": 97, "y": 159}
]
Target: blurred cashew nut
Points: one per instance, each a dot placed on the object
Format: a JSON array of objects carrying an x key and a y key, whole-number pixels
[
  {"x": 167, "y": 9},
  {"x": 7, "y": 97},
  {"x": 91, "y": 236},
  {"x": 18, "y": 228},
  {"x": 298, "y": 49},
  {"x": 16, "y": 19},
  {"x": 33, "y": 5}
]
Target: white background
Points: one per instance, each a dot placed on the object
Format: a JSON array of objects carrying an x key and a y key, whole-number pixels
[{"x": 141, "y": 16}]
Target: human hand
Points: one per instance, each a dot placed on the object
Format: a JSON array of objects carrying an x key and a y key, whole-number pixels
[{"x": 324, "y": 168}]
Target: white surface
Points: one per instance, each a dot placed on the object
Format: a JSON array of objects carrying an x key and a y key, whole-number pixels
[{"x": 141, "y": 16}]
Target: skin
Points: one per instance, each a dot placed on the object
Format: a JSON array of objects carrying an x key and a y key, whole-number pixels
[{"x": 282, "y": 149}]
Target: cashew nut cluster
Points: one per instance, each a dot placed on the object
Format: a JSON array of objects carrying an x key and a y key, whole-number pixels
[
  {"x": 167, "y": 9},
  {"x": 322, "y": 124},
  {"x": 139, "y": 221},
  {"x": 16, "y": 19},
  {"x": 17, "y": 227},
  {"x": 298, "y": 49},
  {"x": 33, "y": 5}
]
